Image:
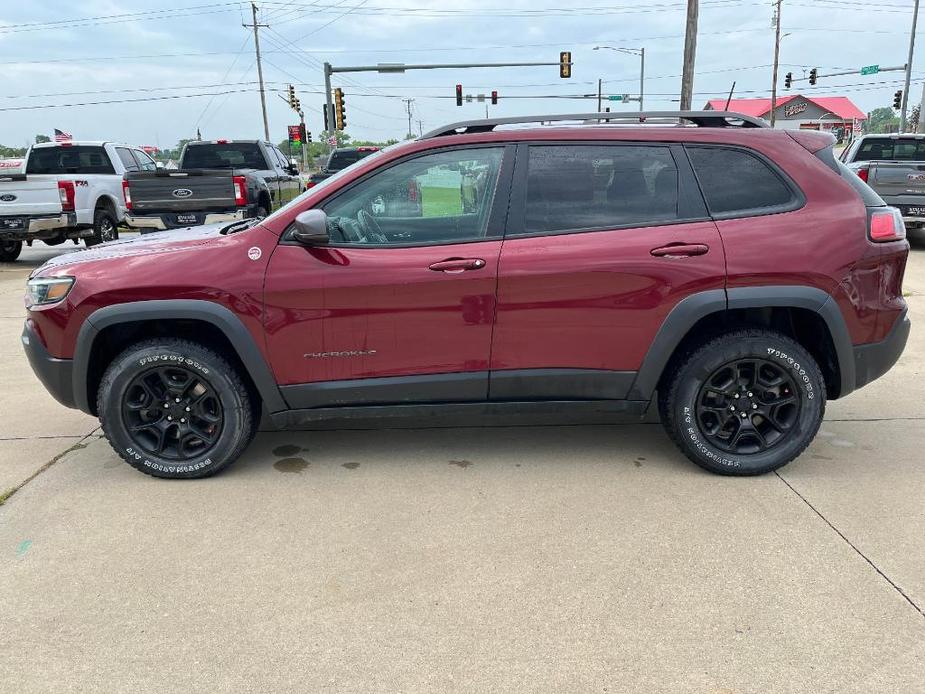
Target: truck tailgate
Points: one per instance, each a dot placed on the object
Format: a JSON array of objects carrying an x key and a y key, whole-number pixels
[
  {"x": 28, "y": 196},
  {"x": 892, "y": 179},
  {"x": 181, "y": 191}
]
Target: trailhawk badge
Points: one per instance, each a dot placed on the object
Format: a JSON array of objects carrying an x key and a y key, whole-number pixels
[{"x": 254, "y": 253}]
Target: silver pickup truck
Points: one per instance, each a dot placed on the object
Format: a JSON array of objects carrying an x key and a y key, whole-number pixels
[{"x": 894, "y": 166}]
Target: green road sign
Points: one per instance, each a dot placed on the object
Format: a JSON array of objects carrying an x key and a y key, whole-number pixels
[
  {"x": 615, "y": 97},
  {"x": 870, "y": 69}
]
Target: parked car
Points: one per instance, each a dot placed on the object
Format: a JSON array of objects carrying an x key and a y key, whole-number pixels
[
  {"x": 339, "y": 159},
  {"x": 735, "y": 276},
  {"x": 217, "y": 181},
  {"x": 67, "y": 190},
  {"x": 894, "y": 166}
]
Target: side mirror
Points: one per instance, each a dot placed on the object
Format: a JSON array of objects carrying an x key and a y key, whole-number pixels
[
  {"x": 293, "y": 170},
  {"x": 159, "y": 164},
  {"x": 311, "y": 228}
]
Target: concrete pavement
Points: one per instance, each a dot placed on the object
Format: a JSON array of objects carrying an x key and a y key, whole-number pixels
[{"x": 529, "y": 559}]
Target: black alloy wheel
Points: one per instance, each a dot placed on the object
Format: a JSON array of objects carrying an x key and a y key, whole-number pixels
[
  {"x": 747, "y": 406},
  {"x": 173, "y": 413}
]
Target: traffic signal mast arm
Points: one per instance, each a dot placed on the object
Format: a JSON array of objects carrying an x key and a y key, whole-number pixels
[{"x": 840, "y": 74}]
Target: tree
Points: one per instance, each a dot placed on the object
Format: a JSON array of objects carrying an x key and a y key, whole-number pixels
[
  {"x": 882, "y": 120},
  {"x": 914, "y": 117},
  {"x": 11, "y": 152},
  {"x": 39, "y": 139}
]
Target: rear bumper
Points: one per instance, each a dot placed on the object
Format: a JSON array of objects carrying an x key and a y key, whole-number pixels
[
  {"x": 873, "y": 360},
  {"x": 40, "y": 227},
  {"x": 160, "y": 222},
  {"x": 55, "y": 374}
]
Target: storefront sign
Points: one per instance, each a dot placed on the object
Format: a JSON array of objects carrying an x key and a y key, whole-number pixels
[{"x": 791, "y": 110}]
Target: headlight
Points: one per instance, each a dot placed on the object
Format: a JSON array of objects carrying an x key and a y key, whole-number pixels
[{"x": 48, "y": 290}]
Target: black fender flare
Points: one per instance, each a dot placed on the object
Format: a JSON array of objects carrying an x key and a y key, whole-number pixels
[
  {"x": 191, "y": 309},
  {"x": 693, "y": 308}
]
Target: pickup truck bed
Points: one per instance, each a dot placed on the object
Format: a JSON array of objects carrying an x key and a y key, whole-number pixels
[
  {"x": 172, "y": 199},
  {"x": 30, "y": 208}
]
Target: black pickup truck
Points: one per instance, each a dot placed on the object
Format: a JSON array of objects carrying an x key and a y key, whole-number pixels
[{"x": 218, "y": 181}]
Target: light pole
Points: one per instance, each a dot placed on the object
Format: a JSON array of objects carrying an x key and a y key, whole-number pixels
[{"x": 641, "y": 52}]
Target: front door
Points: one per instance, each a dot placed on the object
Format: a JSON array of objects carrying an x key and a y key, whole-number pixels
[
  {"x": 607, "y": 239},
  {"x": 399, "y": 306}
]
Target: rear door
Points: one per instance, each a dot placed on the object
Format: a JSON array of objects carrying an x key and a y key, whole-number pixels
[
  {"x": 399, "y": 307},
  {"x": 603, "y": 241}
]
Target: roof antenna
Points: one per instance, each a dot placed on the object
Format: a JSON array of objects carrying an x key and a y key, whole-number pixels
[{"x": 729, "y": 98}]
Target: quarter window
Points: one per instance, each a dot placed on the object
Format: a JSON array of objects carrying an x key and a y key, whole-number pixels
[
  {"x": 584, "y": 187},
  {"x": 128, "y": 161},
  {"x": 734, "y": 181},
  {"x": 444, "y": 197},
  {"x": 144, "y": 161}
]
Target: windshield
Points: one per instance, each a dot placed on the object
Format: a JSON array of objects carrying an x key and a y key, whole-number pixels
[
  {"x": 231, "y": 155},
  {"x": 79, "y": 159},
  {"x": 326, "y": 183},
  {"x": 891, "y": 149}
]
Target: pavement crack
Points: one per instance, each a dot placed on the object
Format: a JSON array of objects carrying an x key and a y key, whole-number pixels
[
  {"x": 5, "y": 495},
  {"x": 853, "y": 546}
]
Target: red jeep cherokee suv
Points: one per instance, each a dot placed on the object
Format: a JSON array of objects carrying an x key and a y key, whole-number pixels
[{"x": 739, "y": 272}]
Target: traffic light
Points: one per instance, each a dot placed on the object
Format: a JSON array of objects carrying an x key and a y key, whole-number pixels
[
  {"x": 788, "y": 80},
  {"x": 302, "y": 133},
  {"x": 327, "y": 125},
  {"x": 494, "y": 97},
  {"x": 565, "y": 64},
  {"x": 340, "y": 113},
  {"x": 898, "y": 99},
  {"x": 292, "y": 100},
  {"x": 459, "y": 95},
  {"x": 812, "y": 75}
]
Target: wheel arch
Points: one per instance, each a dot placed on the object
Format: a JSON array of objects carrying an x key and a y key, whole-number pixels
[
  {"x": 145, "y": 318},
  {"x": 808, "y": 314}
]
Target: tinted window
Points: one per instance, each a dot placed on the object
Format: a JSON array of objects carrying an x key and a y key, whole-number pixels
[
  {"x": 890, "y": 149},
  {"x": 79, "y": 159},
  {"x": 574, "y": 187},
  {"x": 128, "y": 161},
  {"x": 441, "y": 197},
  {"x": 231, "y": 155},
  {"x": 735, "y": 181},
  {"x": 868, "y": 194},
  {"x": 342, "y": 158}
]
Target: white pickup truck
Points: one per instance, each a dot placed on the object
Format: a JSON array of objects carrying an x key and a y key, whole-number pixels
[{"x": 66, "y": 190}]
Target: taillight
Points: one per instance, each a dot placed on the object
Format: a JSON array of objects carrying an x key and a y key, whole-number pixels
[
  {"x": 310, "y": 184},
  {"x": 863, "y": 173},
  {"x": 66, "y": 194},
  {"x": 886, "y": 224},
  {"x": 127, "y": 194},
  {"x": 240, "y": 190}
]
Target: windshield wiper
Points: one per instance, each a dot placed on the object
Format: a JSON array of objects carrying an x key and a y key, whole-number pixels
[{"x": 239, "y": 225}]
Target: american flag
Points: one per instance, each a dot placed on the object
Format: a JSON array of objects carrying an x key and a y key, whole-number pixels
[{"x": 61, "y": 136}]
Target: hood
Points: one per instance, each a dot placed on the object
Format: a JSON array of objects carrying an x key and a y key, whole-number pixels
[{"x": 172, "y": 241}]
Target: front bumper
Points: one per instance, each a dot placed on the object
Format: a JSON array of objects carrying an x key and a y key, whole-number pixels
[
  {"x": 160, "y": 222},
  {"x": 40, "y": 227},
  {"x": 55, "y": 374},
  {"x": 873, "y": 360}
]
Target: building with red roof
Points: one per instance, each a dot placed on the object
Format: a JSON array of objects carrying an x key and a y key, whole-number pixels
[{"x": 836, "y": 114}]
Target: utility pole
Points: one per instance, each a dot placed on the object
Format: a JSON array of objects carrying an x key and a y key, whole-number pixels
[
  {"x": 408, "y": 103},
  {"x": 642, "y": 75},
  {"x": 690, "y": 53},
  {"x": 776, "y": 60},
  {"x": 263, "y": 96},
  {"x": 420, "y": 127},
  {"x": 599, "y": 83},
  {"x": 328, "y": 104},
  {"x": 902, "y": 117}
]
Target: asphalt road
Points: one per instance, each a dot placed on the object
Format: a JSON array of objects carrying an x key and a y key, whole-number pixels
[{"x": 528, "y": 559}]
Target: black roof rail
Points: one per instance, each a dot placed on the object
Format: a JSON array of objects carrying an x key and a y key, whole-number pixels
[{"x": 703, "y": 119}]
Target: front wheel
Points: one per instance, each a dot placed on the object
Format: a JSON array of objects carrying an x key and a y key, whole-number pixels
[
  {"x": 173, "y": 408},
  {"x": 9, "y": 251},
  {"x": 744, "y": 403}
]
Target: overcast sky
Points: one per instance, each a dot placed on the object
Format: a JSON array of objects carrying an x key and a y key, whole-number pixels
[{"x": 200, "y": 47}]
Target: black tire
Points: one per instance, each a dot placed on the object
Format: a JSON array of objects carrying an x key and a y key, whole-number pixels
[
  {"x": 105, "y": 227},
  {"x": 55, "y": 241},
  {"x": 708, "y": 391},
  {"x": 130, "y": 396},
  {"x": 9, "y": 251}
]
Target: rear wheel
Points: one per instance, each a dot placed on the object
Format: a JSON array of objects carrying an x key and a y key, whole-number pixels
[
  {"x": 173, "y": 408},
  {"x": 744, "y": 403},
  {"x": 9, "y": 251},
  {"x": 105, "y": 227}
]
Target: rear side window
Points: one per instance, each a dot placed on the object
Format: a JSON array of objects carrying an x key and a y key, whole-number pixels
[
  {"x": 128, "y": 161},
  {"x": 736, "y": 182},
  {"x": 585, "y": 187},
  {"x": 868, "y": 194},
  {"x": 77, "y": 159}
]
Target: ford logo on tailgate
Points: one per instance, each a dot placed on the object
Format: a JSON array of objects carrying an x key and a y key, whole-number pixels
[
  {"x": 182, "y": 193},
  {"x": 8, "y": 197},
  {"x": 916, "y": 177}
]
